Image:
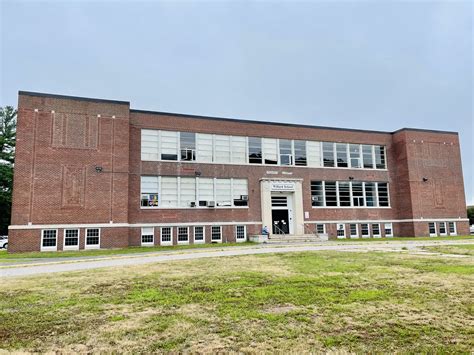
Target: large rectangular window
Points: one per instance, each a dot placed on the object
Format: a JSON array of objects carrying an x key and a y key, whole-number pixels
[
  {"x": 183, "y": 235},
  {"x": 169, "y": 191},
  {"x": 199, "y": 234},
  {"x": 216, "y": 234},
  {"x": 240, "y": 191},
  {"x": 206, "y": 191},
  {"x": 222, "y": 149},
  {"x": 354, "y": 151},
  {"x": 317, "y": 193},
  {"x": 379, "y": 156},
  {"x": 240, "y": 233},
  {"x": 383, "y": 194},
  {"x": 344, "y": 194},
  {"x": 239, "y": 150},
  {"x": 370, "y": 194},
  {"x": 188, "y": 146},
  {"x": 71, "y": 239},
  {"x": 341, "y": 153},
  {"x": 223, "y": 192},
  {"x": 270, "y": 151},
  {"x": 150, "y": 144},
  {"x": 49, "y": 239},
  {"x": 166, "y": 235},
  {"x": 204, "y": 148},
  {"x": 286, "y": 152},
  {"x": 300, "y": 153},
  {"x": 149, "y": 191},
  {"x": 148, "y": 236},
  {"x": 357, "y": 194},
  {"x": 169, "y": 145},
  {"x": 255, "y": 150},
  {"x": 368, "y": 156},
  {"x": 331, "y": 193},
  {"x": 328, "y": 154},
  {"x": 187, "y": 189},
  {"x": 313, "y": 150},
  {"x": 92, "y": 238}
]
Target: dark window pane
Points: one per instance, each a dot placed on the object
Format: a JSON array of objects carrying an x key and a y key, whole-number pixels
[
  {"x": 341, "y": 151},
  {"x": 300, "y": 153},
  {"x": 328, "y": 154},
  {"x": 330, "y": 193},
  {"x": 317, "y": 193},
  {"x": 255, "y": 150},
  {"x": 344, "y": 194}
]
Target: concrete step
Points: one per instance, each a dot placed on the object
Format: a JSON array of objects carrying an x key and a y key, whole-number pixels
[{"x": 294, "y": 238}]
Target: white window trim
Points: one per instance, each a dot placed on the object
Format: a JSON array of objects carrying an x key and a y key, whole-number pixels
[
  {"x": 91, "y": 246},
  {"x": 55, "y": 248},
  {"x": 161, "y": 236},
  {"x": 343, "y": 229},
  {"x": 391, "y": 230},
  {"x": 141, "y": 238},
  {"x": 183, "y": 242},
  {"x": 71, "y": 247},
  {"x": 445, "y": 228},
  {"x": 368, "y": 230},
  {"x": 435, "y": 234},
  {"x": 356, "y": 236},
  {"x": 203, "y": 235},
  {"x": 324, "y": 228},
  {"x": 455, "y": 229},
  {"x": 215, "y": 240},
  {"x": 245, "y": 233},
  {"x": 372, "y": 231}
]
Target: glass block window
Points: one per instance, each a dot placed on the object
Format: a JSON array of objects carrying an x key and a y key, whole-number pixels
[
  {"x": 147, "y": 236},
  {"x": 239, "y": 150},
  {"x": 222, "y": 149},
  {"x": 49, "y": 239},
  {"x": 206, "y": 190},
  {"x": 270, "y": 151},
  {"x": 183, "y": 234},
  {"x": 314, "y": 154},
  {"x": 204, "y": 148},
  {"x": 187, "y": 188},
  {"x": 149, "y": 191},
  {"x": 223, "y": 192},
  {"x": 240, "y": 233},
  {"x": 216, "y": 233},
  {"x": 92, "y": 237},
  {"x": 150, "y": 144},
  {"x": 71, "y": 238},
  {"x": 169, "y": 191},
  {"x": 169, "y": 145},
  {"x": 240, "y": 191}
]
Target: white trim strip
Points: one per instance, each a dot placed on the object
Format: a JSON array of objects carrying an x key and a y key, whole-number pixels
[{"x": 392, "y": 220}]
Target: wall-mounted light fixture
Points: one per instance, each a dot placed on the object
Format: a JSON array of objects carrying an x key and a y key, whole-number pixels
[
  {"x": 351, "y": 178},
  {"x": 197, "y": 173},
  {"x": 425, "y": 179},
  {"x": 98, "y": 169}
]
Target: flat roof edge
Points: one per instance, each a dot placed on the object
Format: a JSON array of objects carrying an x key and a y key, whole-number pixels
[
  {"x": 67, "y": 97},
  {"x": 425, "y": 130}
]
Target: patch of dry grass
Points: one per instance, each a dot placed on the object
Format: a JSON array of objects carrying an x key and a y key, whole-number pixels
[{"x": 299, "y": 302}]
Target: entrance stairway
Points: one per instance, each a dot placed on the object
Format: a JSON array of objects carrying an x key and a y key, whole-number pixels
[{"x": 291, "y": 238}]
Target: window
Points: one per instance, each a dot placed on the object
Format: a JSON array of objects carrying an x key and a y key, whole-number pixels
[
  {"x": 354, "y": 231},
  {"x": 223, "y": 192},
  {"x": 341, "y": 232},
  {"x": 255, "y": 150},
  {"x": 270, "y": 152},
  {"x": 92, "y": 238},
  {"x": 328, "y": 154},
  {"x": 300, "y": 153},
  {"x": 188, "y": 146},
  {"x": 279, "y": 201},
  {"x": 169, "y": 145},
  {"x": 383, "y": 194},
  {"x": 331, "y": 193},
  {"x": 166, "y": 234},
  {"x": 442, "y": 228},
  {"x": 313, "y": 151},
  {"x": 375, "y": 230},
  {"x": 286, "y": 153},
  {"x": 344, "y": 194},
  {"x": 204, "y": 148},
  {"x": 183, "y": 235},
  {"x": 169, "y": 191},
  {"x": 206, "y": 191},
  {"x": 71, "y": 239},
  {"x": 216, "y": 234},
  {"x": 147, "y": 236},
  {"x": 199, "y": 234},
  {"x": 187, "y": 189},
  {"x": 354, "y": 151},
  {"x": 317, "y": 193},
  {"x": 222, "y": 149},
  {"x": 452, "y": 228},
  {"x": 388, "y": 231},
  {"x": 240, "y": 190},
  {"x": 240, "y": 233},
  {"x": 341, "y": 152},
  {"x": 432, "y": 229},
  {"x": 357, "y": 194},
  {"x": 368, "y": 156},
  {"x": 364, "y": 228},
  {"x": 48, "y": 239},
  {"x": 239, "y": 150},
  {"x": 150, "y": 144},
  {"x": 320, "y": 229},
  {"x": 379, "y": 157},
  {"x": 149, "y": 191},
  {"x": 370, "y": 194}
]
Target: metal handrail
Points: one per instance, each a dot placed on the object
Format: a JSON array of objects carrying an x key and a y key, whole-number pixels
[{"x": 282, "y": 232}]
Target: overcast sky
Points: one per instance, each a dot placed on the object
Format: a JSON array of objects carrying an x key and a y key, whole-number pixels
[{"x": 359, "y": 64}]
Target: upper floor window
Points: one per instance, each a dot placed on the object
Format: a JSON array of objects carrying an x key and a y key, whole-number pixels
[
  {"x": 286, "y": 152},
  {"x": 354, "y": 151},
  {"x": 300, "y": 153},
  {"x": 379, "y": 156},
  {"x": 188, "y": 146},
  {"x": 270, "y": 151},
  {"x": 328, "y": 154},
  {"x": 341, "y": 152},
  {"x": 368, "y": 156},
  {"x": 169, "y": 145},
  {"x": 255, "y": 150}
]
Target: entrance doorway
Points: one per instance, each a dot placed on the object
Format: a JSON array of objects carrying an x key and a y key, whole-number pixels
[{"x": 282, "y": 213}]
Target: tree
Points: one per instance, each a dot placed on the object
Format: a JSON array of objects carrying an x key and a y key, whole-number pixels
[
  {"x": 7, "y": 158},
  {"x": 470, "y": 214}
]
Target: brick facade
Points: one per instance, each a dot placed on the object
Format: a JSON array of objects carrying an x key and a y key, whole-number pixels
[{"x": 78, "y": 164}]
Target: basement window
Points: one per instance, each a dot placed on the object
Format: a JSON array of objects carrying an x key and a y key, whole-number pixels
[{"x": 49, "y": 240}]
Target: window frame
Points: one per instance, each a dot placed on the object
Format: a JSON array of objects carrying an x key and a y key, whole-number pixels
[
  {"x": 203, "y": 235},
  {"x": 389, "y": 235},
  {"x": 92, "y": 246},
  {"x": 220, "y": 234},
  {"x": 354, "y": 236},
  {"x": 181, "y": 242},
  {"x": 240, "y": 240},
  {"x": 71, "y": 247},
  {"x": 445, "y": 228},
  {"x": 147, "y": 244},
  {"x": 49, "y": 248},
  {"x": 362, "y": 230},
  {"x": 435, "y": 234},
  {"x": 338, "y": 225},
  {"x": 324, "y": 228},
  {"x": 166, "y": 243},
  {"x": 379, "y": 235},
  {"x": 455, "y": 228}
]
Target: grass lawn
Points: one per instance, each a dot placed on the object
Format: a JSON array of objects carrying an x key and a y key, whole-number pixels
[
  {"x": 311, "y": 301},
  {"x": 467, "y": 249}
]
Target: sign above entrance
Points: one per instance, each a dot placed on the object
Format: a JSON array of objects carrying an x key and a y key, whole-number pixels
[{"x": 283, "y": 186}]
